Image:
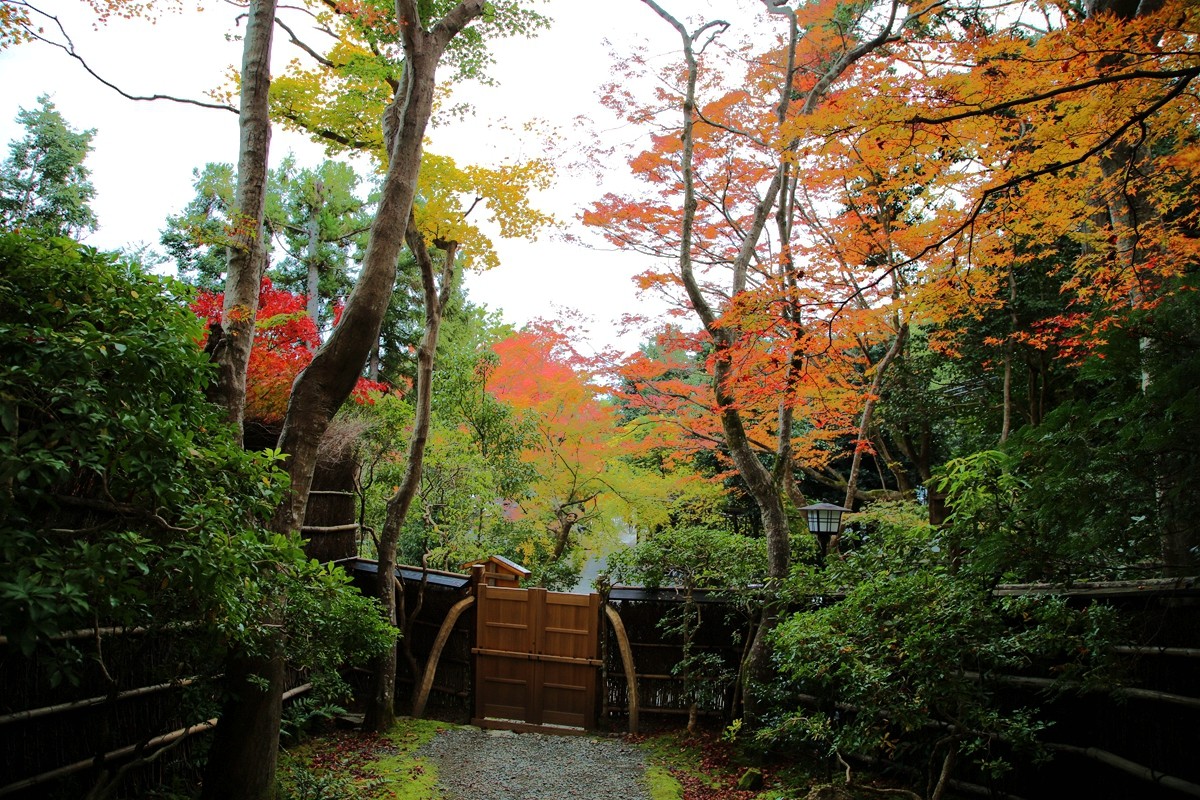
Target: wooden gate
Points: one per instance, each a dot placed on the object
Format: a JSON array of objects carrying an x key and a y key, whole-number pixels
[{"x": 536, "y": 658}]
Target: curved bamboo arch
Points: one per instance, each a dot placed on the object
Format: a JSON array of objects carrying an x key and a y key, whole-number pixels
[
  {"x": 436, "y": 653},
  {"x": 627, "y": 661}
]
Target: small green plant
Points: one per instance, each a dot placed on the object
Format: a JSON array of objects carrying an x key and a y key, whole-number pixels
[
  {"x": 302, "y": 715},
  {"x": 298, "y": 782}
]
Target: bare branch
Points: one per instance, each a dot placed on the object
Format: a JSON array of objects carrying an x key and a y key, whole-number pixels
[
  {"x": 1049, "y": 169},
  {"x": 326, "y": 133},
  {"x": 69, "y": 49},
  {"x": 121, "y": 508},
  {"x": 729, "y": 128},
  {"x": 320, "y": 59}
]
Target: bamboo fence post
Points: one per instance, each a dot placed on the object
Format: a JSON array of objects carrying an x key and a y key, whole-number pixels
[
  {"x": 435, "y": 653},
  {"x": 627, "y": 662}
]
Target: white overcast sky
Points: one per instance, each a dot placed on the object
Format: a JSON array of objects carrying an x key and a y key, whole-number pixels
[{"x": 144, "y": 152}]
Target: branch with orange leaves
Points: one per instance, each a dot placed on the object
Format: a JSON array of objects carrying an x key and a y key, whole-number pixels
[
  {"x": 968, "y": 220},
  {"x": 983, "y": 111}
]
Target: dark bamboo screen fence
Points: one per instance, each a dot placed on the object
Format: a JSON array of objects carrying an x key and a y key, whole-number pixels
[
  {"x": 133, "y": 693},
  {"x": 137, "y": 692},
  {"x": 1137, "y": 740}
]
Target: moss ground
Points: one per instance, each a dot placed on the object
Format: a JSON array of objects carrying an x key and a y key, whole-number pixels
[
  {"x": 704, "y": 766},
  {"x": 340, "y": 765}
]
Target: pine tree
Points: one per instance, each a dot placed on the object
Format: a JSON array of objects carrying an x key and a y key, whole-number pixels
[{"x": 44, "y": 184}]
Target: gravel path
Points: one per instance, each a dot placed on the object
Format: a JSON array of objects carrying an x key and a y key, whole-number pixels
[{"x": 501, "y": 765}]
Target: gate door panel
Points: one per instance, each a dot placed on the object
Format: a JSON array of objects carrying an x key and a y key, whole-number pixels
[
  {"x": 505, "y": 620},
  {"x": 536, "y": 657},
  {"x": 570, "y": 644}
]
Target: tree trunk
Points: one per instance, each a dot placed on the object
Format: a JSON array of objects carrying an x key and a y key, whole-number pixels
[
  {"x": 381, "y": 710},
  {"x": 247, "y": 254},
  {"x": 326, "y": 383},
  {"x": 243, "y": 766},
  {"x": 1129, "y": 213},
  {"x": 312, "y": 257},
  {"x": 381, "y": 699},
  {"x": 759, "y": 481},
  {"x": 241, "y": 763},
  {"x": 948, "y": 764},
  {"x": 1009, "y": 348},
  {"x": 868, "y": 412}
]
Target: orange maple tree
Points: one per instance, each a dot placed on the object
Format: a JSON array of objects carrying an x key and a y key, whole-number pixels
[
  {"x": 539, "y": 374},
  {"x": 589, "y": 485},
  {"x": 916, "y": 185}
]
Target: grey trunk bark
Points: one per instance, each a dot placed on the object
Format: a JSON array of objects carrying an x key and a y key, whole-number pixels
[
  {"x": 314, "y": 272},
  {"x": 241, "y": 764},
  {"x": 381, "y": 710},
  {"x": 247, "y": 254},
  {"x": 322, "y": 388}
]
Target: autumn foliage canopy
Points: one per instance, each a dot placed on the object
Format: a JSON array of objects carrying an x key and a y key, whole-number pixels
[{"x": 285, "y": 337}]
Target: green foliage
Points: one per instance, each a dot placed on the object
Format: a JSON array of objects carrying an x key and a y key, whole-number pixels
[
  {"x": 691, "y": 559},
  {"x": 329, "y": 625},
  {"x": 43, "y": 184},
  {"x": 315, "y": 219},
  {"x": 472, "y": 460},
  {"x": 196, "y": 237},
  {"x": 1088, "y": 492},
  {"x": 906, "y": 663},
  {"x": 298, "y": 782},
  {"x": 127, "y": 499},
  {"x": 303, "y": 714},
  {"x": 468, "y": 52},
  {"x": 118, "y": 476},
  {"x": 320, "y": 224}
]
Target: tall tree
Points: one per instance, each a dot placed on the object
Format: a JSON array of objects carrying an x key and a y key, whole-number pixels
[
  {"x": 727, "y": 232},
  {"x": 422, "y": 33},
  {"x": 247, "y": 248},
  {"x": 318, "y": 221},
  {"x": 197, "y": 237},
  {"x": 44, "y": 184},
  {"x": 241, "y": 764},
  {"x": 314, "y": 218},
  {"x": 436, "y": 284},
  {"x": 584, "y": 491}
]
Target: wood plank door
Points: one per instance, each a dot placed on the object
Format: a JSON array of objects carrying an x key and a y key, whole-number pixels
[{"x": 536, "y": 658}]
